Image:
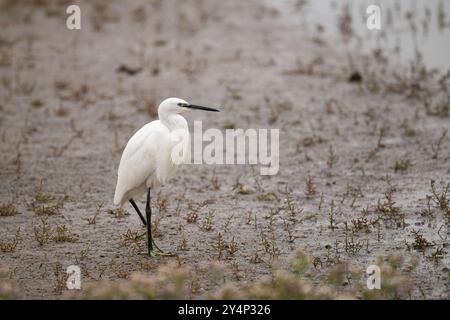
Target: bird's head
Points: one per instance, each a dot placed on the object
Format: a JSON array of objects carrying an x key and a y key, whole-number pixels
[{"x": 178, "y": 106}]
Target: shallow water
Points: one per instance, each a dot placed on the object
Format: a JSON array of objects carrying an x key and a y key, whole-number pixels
[{"x": 409, "y": 29}]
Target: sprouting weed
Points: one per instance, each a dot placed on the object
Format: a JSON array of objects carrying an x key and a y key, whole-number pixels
[
  {"x": 227, "y": 223},
  {"x": 436, "y": 148},
  {"x": 438, "y": 254},
  {"x": 146, "y": 265},
  {"x": 219, "y": 246},
  {"x": 232, "y": 247},
  {"x": 440, "y": 109},
  {"x": 239, "y": 188},
  {"x": 83, "y": 255},
  {"x": 269, "y": 196},
  {"x": 155, "y": 226},
  {"x": 332, "y": 158},
  {"x": 118, "y": 213},
  {"x": 427, "y": 212},
  {"x": 291, "y": 207},
  {"x": 331, "y": 216},
  {"x": 316, "y": 261},
  {"x": 360, "y": 223},
  {"x": 289, "y": 229},
  {"x": 256, "y": 258},
  {"x": 319, "y": 207},
  {"x": 62, "y": 235},
  {"x": 160, "y": 203},
  {"x": 215, "y": 181},
  {"x": 270, "y": 217},
  {"x": 310, "y": 142},
  {"x": 10, "y": 245},
  {"x": 265, "y": 242},
  {"x": 249, "y": 217},
  {"x": 42, "y": 232},
  {"x": 43, "y": 204},
  {"x": 333, "y": 258},
  {"x": 379, "y": 144},
  {"x": 98, "y": 208},
  {"x": 183, "y": 246},
  {"x": 274, "y": 252},
  {"x": 8, "y": 209},
  {"x": 310, "y": 189},
  {"x": 208, "y": 222},
  {"x": 133, "y": 239},
  {"x": 60, "y": 278},
  {"x": 236, "y": 271},
  {"x": 402, "y": 165},
  {"x": 351, "y": 246},
  {"x": 420, "y": 243},
  {"x": 440, "y": 199},
  {"x": 387, "y": 207},
  {"x": 192, "y": 216}
]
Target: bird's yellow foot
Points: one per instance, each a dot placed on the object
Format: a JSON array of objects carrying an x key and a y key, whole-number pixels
[{"x": 159, "y": 253}]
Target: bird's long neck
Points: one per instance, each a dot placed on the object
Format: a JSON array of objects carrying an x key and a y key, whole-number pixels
[{"x": 173, "y": 121}]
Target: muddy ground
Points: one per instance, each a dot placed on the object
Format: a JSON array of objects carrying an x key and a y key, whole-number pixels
[{"x": 360, "y": 139}]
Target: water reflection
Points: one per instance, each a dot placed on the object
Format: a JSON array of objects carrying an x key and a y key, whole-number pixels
[{"x": 410, "y": 29}]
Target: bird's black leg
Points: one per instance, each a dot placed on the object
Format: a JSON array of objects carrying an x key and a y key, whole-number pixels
[
  {"x": 148, "y": 213},
  {"x": 153, "y": 249},
  {"x": 138, "y": 211}
]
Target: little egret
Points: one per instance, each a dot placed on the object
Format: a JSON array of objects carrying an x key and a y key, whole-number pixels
[{"x": 148, "y": 161}]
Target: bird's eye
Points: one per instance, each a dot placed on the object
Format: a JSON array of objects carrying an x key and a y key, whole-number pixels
[{"x": 180, "y": 104}]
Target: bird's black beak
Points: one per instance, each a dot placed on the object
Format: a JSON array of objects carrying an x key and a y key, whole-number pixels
[{"x": 193, "y": 106}]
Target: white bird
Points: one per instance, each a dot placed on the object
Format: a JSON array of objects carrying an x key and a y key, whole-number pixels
[{"x": 148, "y": 159}]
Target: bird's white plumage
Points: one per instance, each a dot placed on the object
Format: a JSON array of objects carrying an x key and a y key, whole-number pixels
[{"x": 147, "y": 158}]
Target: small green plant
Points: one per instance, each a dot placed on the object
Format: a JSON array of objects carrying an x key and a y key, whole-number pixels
[
  {"x": 332, "y": 158},
  {"x": 436, "y": 148},
  {"x": 8, "y": 209},
  {"x": 440, "y": 199},
  {"x": 388, "y": 209},
  {"x": 420, "y": 243},
  {"x": 134, "y": 240},
  {"x": 60, "y": 278},
  {"x": 291, "y": 207},
  {"x": 299, "y": 262},
  {"x": 310, "y": 189},
  {"x": 256, "y": 258},
  {"x": 44, "y": 205},
  {"x": 42, "y": 233},
  {"x": 10, "y": 245},
  {"x": 36, "y": 103},
  {"x": 118, "y": 213},
  {"x": 239, "y": 188},
  {"x": 269, "y": 196},
  {"x": 208, "y": 222},
  {"x": 98, "y": 208},
  {"x": 332, "y": 216},
  {"x": 379, "y": 144},
  {"x": 402, "y": 165},
  {"x": 63, "y": 235}
]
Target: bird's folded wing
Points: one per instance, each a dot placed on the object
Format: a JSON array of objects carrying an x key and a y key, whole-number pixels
[{"x": 139, "y": 159}]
